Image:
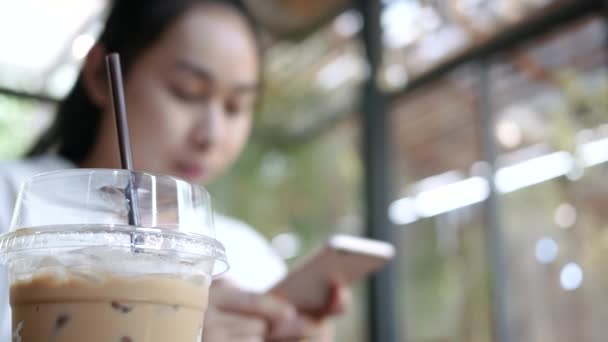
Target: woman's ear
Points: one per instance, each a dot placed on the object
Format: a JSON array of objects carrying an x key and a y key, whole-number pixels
[{"x": 94, "y": 76}]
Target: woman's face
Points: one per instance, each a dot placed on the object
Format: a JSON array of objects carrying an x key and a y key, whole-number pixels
[{"x": 190, "y": 96}]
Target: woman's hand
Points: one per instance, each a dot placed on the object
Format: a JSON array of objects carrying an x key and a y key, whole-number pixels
[
  {"x": 337, "y": 302},
  {"x": 317, "y": 326},
  {"x": 235, "y": 315}
]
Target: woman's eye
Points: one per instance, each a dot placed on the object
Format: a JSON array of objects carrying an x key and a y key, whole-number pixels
[
  {"x": 237, "y": 104},
  {"x": 191, "y": 93},
  {"x": 232, "y": 107},
  {"x": 184, "y": 95}
]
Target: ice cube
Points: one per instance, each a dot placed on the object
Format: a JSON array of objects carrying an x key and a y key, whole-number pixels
[{"x": 114, "y": 199}]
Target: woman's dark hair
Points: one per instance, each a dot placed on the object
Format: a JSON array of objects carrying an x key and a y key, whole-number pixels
[{"x": 131, "y": 27}]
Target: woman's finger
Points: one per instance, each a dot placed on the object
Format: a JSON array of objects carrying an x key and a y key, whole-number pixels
[
  {"x": 268, "y": 307},
  {"x": 338, "y": 299},
  {"x": 222, "y": 326},
  {"x": 297, "y": 329}
]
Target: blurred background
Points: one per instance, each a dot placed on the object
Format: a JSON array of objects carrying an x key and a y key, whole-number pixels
[{"x": 471, "y": 133}]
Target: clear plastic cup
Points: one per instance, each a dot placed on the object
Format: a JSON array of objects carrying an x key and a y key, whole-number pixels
[{"x": 79, "y": 272}]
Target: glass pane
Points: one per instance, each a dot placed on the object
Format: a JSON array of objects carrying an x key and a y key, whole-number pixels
[
  {"x": 441, "y": 230},
  {"x": 550, "y": 98},
  {"x": 420, "y": 35}
]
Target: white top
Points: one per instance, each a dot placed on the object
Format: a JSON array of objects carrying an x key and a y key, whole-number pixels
[{"x": 253, "y": 263}]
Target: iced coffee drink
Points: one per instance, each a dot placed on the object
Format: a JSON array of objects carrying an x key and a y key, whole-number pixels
[
  {"x": 78, "y": 271},
  {"x": 111, "y": 308}
]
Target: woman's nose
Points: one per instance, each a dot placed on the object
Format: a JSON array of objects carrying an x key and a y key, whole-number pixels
[{"x": 209, "y": 126}]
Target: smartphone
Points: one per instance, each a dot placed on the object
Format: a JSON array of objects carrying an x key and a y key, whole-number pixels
[{"x": 343, "y": 258}]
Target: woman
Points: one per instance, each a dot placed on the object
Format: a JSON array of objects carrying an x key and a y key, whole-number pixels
[{"x": 191, "y": 73}]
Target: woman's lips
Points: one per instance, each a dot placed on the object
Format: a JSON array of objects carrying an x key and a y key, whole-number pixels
[{"x": 190, "y": 171}]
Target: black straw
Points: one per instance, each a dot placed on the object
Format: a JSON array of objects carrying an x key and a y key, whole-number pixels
[{"x": 120, "y": 113}]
